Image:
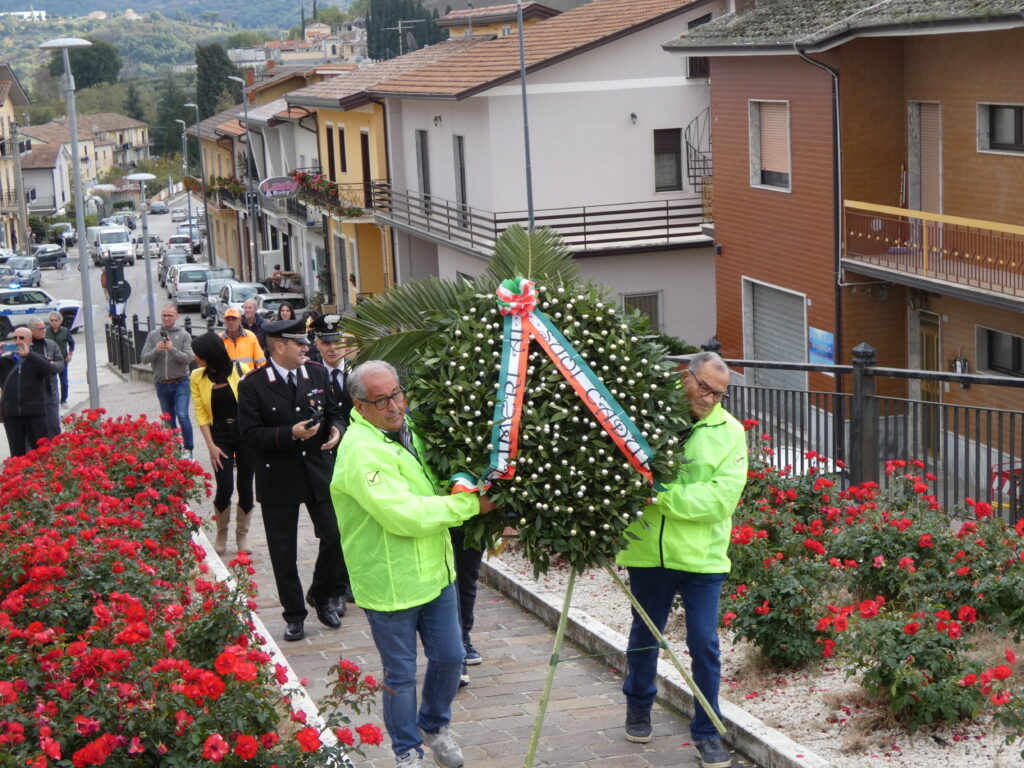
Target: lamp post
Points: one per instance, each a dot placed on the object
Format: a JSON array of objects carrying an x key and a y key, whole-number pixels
[
  {"x": 63, "y": 44},
  {"x": 251, "y": 196},
  {"x": 188, "y": 195},
  {"x": 142, "y": 178},
  {"x": 202, "y": 169}
]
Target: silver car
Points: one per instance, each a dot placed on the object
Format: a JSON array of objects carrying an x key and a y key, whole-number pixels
[
  {"x": 27, "y": 269},
  {"x": 234, "y": 295},
  {"x": 210, "y": 293}
]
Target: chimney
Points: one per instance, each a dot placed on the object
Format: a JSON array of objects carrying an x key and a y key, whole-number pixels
[
  {"x": 271, "y": 64},
  {"x": 250, "y": 76},
  {"x": 742, "y": 6}
]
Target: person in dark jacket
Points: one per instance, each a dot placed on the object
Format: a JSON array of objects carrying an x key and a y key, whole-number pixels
[
  {"x": 288, "y": 414},
  {"x": 251, "y": 321},
  {"x": 23, "y": 375},
  {"x": 66, "y": 344},
  {"x": 51, "y": 352}
]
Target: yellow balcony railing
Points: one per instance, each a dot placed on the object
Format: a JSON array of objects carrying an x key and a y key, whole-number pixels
[{"x": 985, "y": 255}]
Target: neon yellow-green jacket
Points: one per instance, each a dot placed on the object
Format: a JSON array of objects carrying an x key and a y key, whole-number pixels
[
  {"x": 689, "y": 527},
  {"x": 393, "y": 524}
]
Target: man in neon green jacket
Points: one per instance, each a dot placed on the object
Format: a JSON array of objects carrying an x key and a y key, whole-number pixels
[
  {"x": 682, "y": 548},
  {"x": 394, "y": 525}
]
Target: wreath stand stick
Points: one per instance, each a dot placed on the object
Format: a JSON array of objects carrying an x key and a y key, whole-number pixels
[{"x": 563, "y": 619}]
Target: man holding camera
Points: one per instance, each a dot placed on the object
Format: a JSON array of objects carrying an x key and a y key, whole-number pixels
[
  {"x": 288, "y": 413},
  {"x": 169, "y": 350},
  {"x": 23, "y": 376}
]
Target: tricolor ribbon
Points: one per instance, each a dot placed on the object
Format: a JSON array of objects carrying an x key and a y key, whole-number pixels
[
  {"x": 523, "y": 323},
  {"x": 463, "y": 482}
]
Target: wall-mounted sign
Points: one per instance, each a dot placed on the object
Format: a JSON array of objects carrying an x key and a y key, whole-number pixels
[
  {"x": 279, "y": 186},
  {"x": 820, "y": 347}
]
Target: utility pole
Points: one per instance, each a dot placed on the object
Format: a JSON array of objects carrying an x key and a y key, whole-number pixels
[
  {"x": 24, "y": 242},
  {"x": 401, "y": 25}
]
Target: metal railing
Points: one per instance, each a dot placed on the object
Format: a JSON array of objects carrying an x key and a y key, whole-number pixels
[
  {"x": 647, "y": 224},
  {"x": 972, "y": 450},
  {"x": 983, "y": 255},
  {"x": 124, "y": 344},
  {"x": 347, "y": 200}
]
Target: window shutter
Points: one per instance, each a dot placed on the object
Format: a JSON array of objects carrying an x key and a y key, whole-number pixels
[
  {"x": 931, "y": 158},
  {"x": 774, "y": 137},
  {"x": 668, "y": 140}
]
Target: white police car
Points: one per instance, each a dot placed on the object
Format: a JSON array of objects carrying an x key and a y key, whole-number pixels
[{"x": 20, "y": 305}]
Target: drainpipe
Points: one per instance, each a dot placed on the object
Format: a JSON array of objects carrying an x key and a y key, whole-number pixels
[
  {"x": 837, "y": 224},
  {"x": 395, "y": 277}
]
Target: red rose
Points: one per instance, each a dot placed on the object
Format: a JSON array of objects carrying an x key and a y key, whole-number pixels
[
  {"x": 215, "y": 748},
  {"x": 911, "y": 628},
  {"x": 344, "y": 735},
  {"x": 246, "y": 747},
  {"x": 309, "y": 739},
  {"x": 370, "y": 734}
]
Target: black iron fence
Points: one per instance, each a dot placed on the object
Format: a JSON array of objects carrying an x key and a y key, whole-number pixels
[
  {"x": 124, "y": 343},
  {"x": 972, "y": 450}
]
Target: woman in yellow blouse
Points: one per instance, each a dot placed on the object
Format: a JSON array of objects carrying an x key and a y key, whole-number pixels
[{"x": 215, "y": 400}]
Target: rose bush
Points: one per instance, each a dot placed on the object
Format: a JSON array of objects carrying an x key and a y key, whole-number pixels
[
  {"x": 118, "y": 649},
  {"x": 878, "y": 579}
]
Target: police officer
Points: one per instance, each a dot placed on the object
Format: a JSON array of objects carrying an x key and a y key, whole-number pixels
[{"x": 289, "y": 414}]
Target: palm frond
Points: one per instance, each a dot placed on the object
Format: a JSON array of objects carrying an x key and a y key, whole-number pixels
[{"x": 541, "y": 257}]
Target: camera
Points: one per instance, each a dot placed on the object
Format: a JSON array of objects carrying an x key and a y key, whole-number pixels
[{"x": 164, "y": 336}]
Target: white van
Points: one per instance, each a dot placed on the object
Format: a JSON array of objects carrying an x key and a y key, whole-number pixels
[{"x": 110, "y": 245}]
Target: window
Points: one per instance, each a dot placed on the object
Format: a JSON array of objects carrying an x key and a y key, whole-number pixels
[
  {"x": 698, "y": 66},
  {"x": 342, "y": 154},
  {"x": 668, "y": 159},
  {"x": 1000, "y": 351},
  {"x": 648, "y": 304},
  {"x": 423, "y": 168},
  {"x": 506, "y": 30},
  {"x": 459, "y": 154},
  {"x": 769, "y": 144},
  {"x": 1001, "y": 127},
  {"x": 331, "y": 173}
]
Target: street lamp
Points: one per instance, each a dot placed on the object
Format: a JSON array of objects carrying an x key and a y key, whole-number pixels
[
  {"x": 202, "y": 169},
  {"x": 188, "y": 195},
  {"x": 142, "y": 178},
  {"x": 63, "y": 44},
  {"x": 251, "y": 198}
]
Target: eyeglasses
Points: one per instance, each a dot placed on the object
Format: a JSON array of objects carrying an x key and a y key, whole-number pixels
[
  {"x": 381, "y": 403},
  {"x": 706, "y": 391}
]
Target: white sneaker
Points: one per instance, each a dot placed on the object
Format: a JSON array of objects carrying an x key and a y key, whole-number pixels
[
  {"x": 446, "y": 750},
  {"x": 65, "y": 405},
  {"x": 410, "y": 759},
  {"x": 187, "y": 455}
]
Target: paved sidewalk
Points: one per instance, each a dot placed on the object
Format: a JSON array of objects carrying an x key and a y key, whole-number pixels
[{"x": 493, "y": 717}]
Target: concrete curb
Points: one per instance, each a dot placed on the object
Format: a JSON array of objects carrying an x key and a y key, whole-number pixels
[{"x": 765, "y": 745}]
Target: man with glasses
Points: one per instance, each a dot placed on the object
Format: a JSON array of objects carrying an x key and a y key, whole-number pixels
[
  {"x": 288, "y": 413},
  {"x": 394, "y": 521},
  {"x": 169, "y": 350},
  {"x": 23, "y": 377},
  {"x": 680, "y": 547}
]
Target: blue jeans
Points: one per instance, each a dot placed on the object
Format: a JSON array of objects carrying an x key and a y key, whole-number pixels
[
  {"x": 63, "y": 376},
  {"x": 174, "y": 399},
  {"x": 394, "y": 633},
  {"x": 654, "y": 589}
]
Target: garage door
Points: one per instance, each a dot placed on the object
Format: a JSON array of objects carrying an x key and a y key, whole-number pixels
[{"x": 778, "y": 333}]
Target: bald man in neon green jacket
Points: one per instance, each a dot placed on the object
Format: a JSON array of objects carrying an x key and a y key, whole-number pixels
[{"x": 394, "y": 528}]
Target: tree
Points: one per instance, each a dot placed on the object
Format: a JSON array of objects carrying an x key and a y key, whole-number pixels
[
  {"x": 133, "y": 103},
  {"x": 99, "y": 63},
  {"x": 382, "y": 39},
  {"x": 166, "y": 133},
  {"x": 212, "y": 70}
]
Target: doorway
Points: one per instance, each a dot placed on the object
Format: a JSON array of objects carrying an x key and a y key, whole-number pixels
[
  {"x": 364, "y": 156},
  {"x": 928, "y": 325}
]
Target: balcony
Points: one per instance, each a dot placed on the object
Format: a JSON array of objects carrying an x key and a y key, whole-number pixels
[
  {"x": 970, "y": 258},
  {"x": 652, "y": 225},
  {"x": 347, "y": 202},
  {"x": 8, "y": 201}
]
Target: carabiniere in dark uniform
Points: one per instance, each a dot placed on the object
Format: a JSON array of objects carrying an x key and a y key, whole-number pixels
[{"x": 290, "y": 471}]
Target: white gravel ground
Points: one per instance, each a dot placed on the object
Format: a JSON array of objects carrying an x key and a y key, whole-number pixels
[{"x": 820, "y": 708}]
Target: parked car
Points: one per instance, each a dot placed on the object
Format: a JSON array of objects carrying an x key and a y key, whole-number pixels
[
  {"x": 158, "y": 207},
  {"x": 27, "y": 269},
  {"x": 210, "y": 292},
  {"x": 50, "y": 255},
  {"x": 20, "y": 305},
  {"x": 170, "y": 259},
  {"x": 185, "y": 283},
  {"x": 179, "y": 214},
  {"x": 193, "y": 232},
  {"x": 267, "y": 304},
  {"x": 63, "y": 232},
  {"x": 234, "y": 295},
  {"x": 184, "y": 241},
  {"x": 5, "y": 254},
  {"x": 156, "y": 246},
  {"x": 8, "y": 277}
]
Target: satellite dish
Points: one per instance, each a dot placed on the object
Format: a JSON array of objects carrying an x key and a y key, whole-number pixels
[{"x": 410, "y": 42}]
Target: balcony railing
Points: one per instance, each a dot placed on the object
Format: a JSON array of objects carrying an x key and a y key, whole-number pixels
[
  {"x": 9, "y": 200},
  {"x": 346, "y": 201},
  {"x": 969, "y": 253},
  {"x": 652, "y": 224}
]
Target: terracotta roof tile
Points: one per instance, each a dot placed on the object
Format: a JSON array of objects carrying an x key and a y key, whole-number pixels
[
  {"x": 349, "y": 85},
  {"x": 546, "y": 42},
  {"x": 233, "y": 127},
  {"x": 207, "y": 129},
  {"x": 108, "y": 121},
  {"x": 495, "y": 12},
  {"x": 42, "y": 156}
]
